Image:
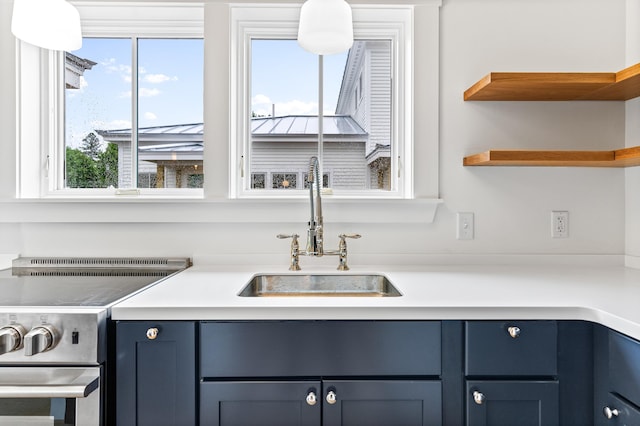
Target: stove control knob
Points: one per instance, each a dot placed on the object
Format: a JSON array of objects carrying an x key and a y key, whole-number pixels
[
  {"x": 11, "y": 338},
  {"x": 40, "y": 339}
]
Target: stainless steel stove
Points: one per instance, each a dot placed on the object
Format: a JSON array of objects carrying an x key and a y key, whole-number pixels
[{"x": 54, "y": 334}]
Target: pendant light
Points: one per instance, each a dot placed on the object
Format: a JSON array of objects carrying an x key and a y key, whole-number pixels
[
  {"x": 326, "y": 26},
  {"x": 50, "y": 24}
]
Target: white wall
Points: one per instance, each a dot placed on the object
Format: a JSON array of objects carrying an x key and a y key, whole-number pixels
[
  {"x": 632, "y": 127},
  {"x": 512, "y": 205}
]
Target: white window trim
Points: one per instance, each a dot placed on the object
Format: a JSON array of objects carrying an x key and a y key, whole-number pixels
[
  {"x": 41, "y": 151},
  {"x": 391, "y": 22},
  {"x": 216, "y": 207}
]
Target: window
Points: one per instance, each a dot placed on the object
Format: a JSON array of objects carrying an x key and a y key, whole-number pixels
[
  {"x": 284, "y": 126},
  {"x": 366, "y": 137},
  {"x": 230, "y": 32},
  {"x": 127, "y": 107},
  {"x": 132, "y": 114}
]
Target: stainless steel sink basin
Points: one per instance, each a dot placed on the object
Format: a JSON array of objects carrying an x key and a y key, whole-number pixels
[{"x": 294, "y": 285}]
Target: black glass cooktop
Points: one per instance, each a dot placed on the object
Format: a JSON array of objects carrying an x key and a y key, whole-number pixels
[{"x": 76, "y": 288}]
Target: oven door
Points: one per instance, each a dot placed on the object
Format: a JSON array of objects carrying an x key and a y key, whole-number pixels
[{"x": 61, "y": 396}]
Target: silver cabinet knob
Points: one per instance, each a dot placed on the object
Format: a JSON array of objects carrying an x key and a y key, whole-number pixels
[
  {"x": 514, "y": 331},
  {"x": 478, "y": 397},
  {"x": 152, "y": 333},
  {"x": 40, "y": 339},
  {"x": 11, "y": 338},
  {"x": 610, "y": 412},
  {"x": 311, "y": 398},
  {"x": 331, "y": 397}
]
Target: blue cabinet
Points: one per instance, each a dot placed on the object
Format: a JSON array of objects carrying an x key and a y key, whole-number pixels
[
  {"x": 155, "y": 373},
  {"x": 374, "y": 373},
  {"x": 513, "y": 402},
  {"x": 261, "y": 403},
  {"x": 299, "y": 373},
  {"x": 316, "y": 403},
  {"x": 511, "y": 369},
  {"x": 617, "y": 366}
]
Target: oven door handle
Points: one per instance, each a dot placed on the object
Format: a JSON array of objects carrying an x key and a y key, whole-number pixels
[{"x": 48, "y": 382}]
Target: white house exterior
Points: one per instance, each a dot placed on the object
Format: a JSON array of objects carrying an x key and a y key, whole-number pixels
[
  {"x": 356, "y": 149},
  {"x": 365, "y": 95}
]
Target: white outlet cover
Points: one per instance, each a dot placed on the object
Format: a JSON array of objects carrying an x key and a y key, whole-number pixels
[{"x": 560, "y": 224}]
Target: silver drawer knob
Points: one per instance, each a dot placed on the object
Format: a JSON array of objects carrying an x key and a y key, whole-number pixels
[
  {"x": 610, "y": 412},
  {"x": 478, "y": 397},
  {"x": 152, "y": 333},
  {"x": 311, "y": 398},
  {"x": 514, "y": 331},
  {"x": 331, "y": 397}
]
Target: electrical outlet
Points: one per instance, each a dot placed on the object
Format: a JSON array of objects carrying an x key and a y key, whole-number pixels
[
  {"x": 464, "y": 230},
  {"x": 559, "y": 224}
]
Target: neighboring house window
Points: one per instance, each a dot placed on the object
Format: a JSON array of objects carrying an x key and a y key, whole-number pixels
[
  {"x": 116, "y": 102},
  {"x": 258, "y": 180},
  {"x": 325, "y": 180},
  {"x": 366, "y": 127},
  {"x": 284, "y": 180}
]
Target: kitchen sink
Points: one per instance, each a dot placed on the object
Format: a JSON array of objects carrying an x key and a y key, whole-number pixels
[{"x": 314, "y": 285}]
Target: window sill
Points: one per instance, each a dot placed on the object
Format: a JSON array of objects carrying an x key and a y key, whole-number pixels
[{"x": 145, "y": 210}]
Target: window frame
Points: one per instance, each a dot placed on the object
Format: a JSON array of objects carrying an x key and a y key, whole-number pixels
[
  {"x": 392, "y": 23},
  {"x": 41, "y": 136},
  {"x": 34, "y": 205}
]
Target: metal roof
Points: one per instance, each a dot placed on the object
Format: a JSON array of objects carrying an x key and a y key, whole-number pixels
[
  {"x": 188, "y": 137},
  {"x": 305, "y": 125},
  {"x": 175, "y": 129}
]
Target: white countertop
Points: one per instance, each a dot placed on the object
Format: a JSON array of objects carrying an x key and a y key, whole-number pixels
[{"x": 609, "y": 295}]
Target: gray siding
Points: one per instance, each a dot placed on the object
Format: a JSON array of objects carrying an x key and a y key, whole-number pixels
[{"x": 345, "y": 162}]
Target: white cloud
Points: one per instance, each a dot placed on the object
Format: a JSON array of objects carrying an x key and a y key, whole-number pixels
[
  {"x": 158, "y": 78},
  {"x": 111, "y": 125},
  {"x": 145, "y": 92},
  {"x": 150, "y": 116},
  {"x": 296, "y": 107},
  {"x": 112, "y": 66},
  {"x": 260, "y": 99},
  {"x": 262, "y": 105}
]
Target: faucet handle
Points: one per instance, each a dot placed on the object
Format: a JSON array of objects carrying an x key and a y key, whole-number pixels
[
  {"x": 283, "y": 236},
  {"x": 342, "y": 250},
  {"x": 295, "y": 250}
]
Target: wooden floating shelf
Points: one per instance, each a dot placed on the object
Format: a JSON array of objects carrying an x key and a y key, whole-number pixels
[
  {"x": 553, "y": 86},
  {"x": 625, "y": 157}
]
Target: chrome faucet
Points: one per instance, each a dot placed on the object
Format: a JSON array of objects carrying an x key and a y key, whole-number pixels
[
  {"x": 314, "y": 233},
  {"x": 315, "y": 241}
]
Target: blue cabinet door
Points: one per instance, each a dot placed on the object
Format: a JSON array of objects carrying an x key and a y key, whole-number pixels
[
  {"x": 510, "y": 403},
  {"x": 286, "y": 403},
  {"x": 155, "y": 373},
  {"x": 382, "y": 403}
]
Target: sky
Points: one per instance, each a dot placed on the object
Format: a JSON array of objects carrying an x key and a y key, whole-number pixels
[
  {"x": 170, "y": 83},
  {"x": 286, "y": 75}
]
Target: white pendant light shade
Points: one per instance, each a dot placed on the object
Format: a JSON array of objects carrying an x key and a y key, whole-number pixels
[
  {"x": 51, "y": 24},
  {"x": 326, "y": 26}
]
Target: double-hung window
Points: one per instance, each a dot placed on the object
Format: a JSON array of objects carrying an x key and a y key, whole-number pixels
[
  {"x": 353, "y": 110},
  {"x": 124, "y": 113}
]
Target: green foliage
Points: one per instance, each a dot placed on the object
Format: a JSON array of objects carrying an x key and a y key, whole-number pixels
[
  {"x": 91, "y": 146},
  {"x": 90, "y": 166},
  {"x": 107, "y": 166}
]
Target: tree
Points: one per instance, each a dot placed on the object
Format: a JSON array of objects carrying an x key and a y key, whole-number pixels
[
  {"x": 107, "y": 166},
  {"x": 91, "y": 166},
  {"x": 81, "y": 169},
  {"x": 91, "y": 146}
]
